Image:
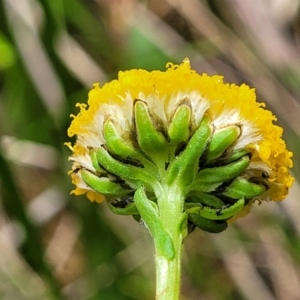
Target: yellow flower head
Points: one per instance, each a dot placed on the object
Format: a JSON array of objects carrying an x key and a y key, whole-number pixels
[{"x": 231, "y": 111}]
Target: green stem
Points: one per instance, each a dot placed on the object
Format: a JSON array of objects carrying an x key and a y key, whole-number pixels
[
  {"x": 164, "y": 221},
  {"x": 168, "y": 277},
  {"x": 168, "y": 270}
]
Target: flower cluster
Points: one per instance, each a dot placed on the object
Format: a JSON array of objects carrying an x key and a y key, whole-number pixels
[{"x": 178, "y": 130}]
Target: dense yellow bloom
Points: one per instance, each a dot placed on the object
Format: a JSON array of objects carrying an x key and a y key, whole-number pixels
[{"x": 224, "y": 103}]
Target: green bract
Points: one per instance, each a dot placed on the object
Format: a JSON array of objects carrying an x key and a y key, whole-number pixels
[{"x": 199, "y": 163}]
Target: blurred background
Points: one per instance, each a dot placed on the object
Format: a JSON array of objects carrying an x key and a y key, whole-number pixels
[{"x": 57, "y": 246}]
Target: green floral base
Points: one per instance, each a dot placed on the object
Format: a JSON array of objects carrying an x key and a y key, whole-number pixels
[{"x": 173, "y": 180}]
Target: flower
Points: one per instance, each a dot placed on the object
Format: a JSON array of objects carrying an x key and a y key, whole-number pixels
[{"x": 211, "y": 139}]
